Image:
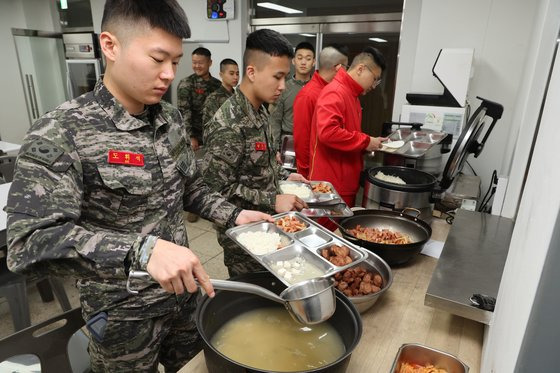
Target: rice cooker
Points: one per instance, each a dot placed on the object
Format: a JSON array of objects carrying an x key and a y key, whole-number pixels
[{"x": 422, "y": 189}]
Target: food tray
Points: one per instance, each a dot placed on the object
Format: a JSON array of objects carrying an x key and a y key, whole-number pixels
[
  {"x": 331, "y": 196},
  {"x": 416, "y": 143},
  {"x": 306, "y": 243}
]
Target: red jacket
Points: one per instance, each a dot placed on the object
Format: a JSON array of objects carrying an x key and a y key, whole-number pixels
[
  {"x": 337, "y": 141},
  {"x": 304, "y": 106}
]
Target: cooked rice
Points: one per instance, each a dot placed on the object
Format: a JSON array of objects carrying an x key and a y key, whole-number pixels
[
  {"x": 259, "y": 243},
  {"x": 301, "y": 191},
  {"x": 389, "y": 178}
]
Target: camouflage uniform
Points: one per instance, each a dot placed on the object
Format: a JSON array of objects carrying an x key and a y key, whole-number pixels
[
  {"x": 191, "y": 94},
  {"x": 282, "y": 112},
  {"x": 240, "y": 164},
  {"x": 213, "y": 103},
  {"x": 73, "y": 211}
]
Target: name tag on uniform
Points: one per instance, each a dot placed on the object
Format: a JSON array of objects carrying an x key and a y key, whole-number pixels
[
  {"x": 126, "y": 158},
  {"x": 200, "y": 91},
  {"x": 260, "y": 146}
]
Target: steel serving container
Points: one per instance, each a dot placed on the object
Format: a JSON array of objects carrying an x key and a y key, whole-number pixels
[
  {"x": 376, "y": 265},
  {"x": 414, "y": 353},
  {"x": 305, "y": 244},
  {"x": 325, "y": 204}
]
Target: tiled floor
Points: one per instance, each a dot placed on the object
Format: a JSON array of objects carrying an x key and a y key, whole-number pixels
[{"x": 202, "y": 239}]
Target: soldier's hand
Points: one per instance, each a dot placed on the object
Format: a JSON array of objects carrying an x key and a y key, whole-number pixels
[
  {"x": 194, "y": 144},
  {"x": 278, "y": 158},
  {"x": 297, "y": 177},
  {"x": 288, "y": 202},
  {"x": 175, "y": 267},
  {"x": 375, "y": 143},
  {"x": 249, "y": 216}
]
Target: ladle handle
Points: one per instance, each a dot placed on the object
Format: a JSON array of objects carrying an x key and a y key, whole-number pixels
[{"x": 243, "y": 287}]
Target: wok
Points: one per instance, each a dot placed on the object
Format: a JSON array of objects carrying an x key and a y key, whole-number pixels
[{"x": 418, "y": 231}]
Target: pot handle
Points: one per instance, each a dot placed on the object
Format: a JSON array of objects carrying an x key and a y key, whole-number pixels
[{"x": 406, "y": 209}]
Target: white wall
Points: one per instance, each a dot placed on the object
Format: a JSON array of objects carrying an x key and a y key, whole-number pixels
[
  {"x": 29, "y": 14},
  {"x": 540, "y": 204},
  {"x": 224, "y": 39},
  {"x": 498, "y": 30}
]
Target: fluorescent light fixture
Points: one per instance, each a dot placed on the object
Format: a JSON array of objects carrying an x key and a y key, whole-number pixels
[
  {"x": 379, "y": 40},
  {"x": 279, "y": 8},
  {"x": 309, "y": 35},
  {"x": 63, "y": 4}
]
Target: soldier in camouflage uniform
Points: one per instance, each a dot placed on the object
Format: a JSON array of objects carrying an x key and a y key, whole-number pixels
[
  {"x": 229, "y": 73},
  {"x": 281, "y": 112},
  {"x": 99, "y": 189},
  {"x": 193, "y": 90},
  {"x": 240, "y": 159}
]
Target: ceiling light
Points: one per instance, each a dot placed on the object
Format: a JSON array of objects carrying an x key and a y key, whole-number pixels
[
  {"x": 279, "y": 8},
  {"x": 309, "y": 35},
  {"x": 379, "y": 40},
  {"x": 63, "y": 4}
]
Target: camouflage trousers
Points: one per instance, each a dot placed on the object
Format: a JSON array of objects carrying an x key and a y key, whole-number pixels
[
  {"x": 236, "y": 260},
  {"x": 139, "y": 345}
]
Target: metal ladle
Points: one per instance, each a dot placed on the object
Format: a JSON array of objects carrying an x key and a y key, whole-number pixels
[{"x": 308, "y": 302}]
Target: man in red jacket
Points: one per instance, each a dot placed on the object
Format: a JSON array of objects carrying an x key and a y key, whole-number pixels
[
  {"x": 337, "y": 141},
  {"x": 332, "y": 58}
]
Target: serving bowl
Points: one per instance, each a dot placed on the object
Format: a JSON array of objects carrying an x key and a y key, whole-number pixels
[
  {"x": 373, "y": 263},
  {"x": 414, "y": 353}
]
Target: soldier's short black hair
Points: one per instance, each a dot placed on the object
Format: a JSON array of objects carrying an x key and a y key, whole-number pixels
[
  {"x": 377, "y": 56},
  {"x": 269, "y": 42},
  {"x": 167, "y": 15},
  {"x": 305, "y": 45},
  {"x": 201, "y": 51},
  {"x": 341, "y": 48},
  {"x": 225, "y": 62}
]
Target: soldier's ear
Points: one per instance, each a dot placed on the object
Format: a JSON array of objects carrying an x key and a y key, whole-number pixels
[
  {"x": 109, "y": 45},
  {"x": 250, "y": 72}
]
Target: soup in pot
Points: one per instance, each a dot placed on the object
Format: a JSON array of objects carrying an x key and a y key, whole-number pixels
[{"x": 269, "y": 339}]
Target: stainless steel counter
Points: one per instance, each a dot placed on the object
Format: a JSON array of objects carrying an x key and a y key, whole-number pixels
[{"x": 472, "y": 261}]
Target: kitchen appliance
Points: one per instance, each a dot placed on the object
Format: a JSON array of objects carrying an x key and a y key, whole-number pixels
[
  {"x": 422, "y": 189},
  {"x": 83, "y": 63},
  {"x": 213, "y": 313},
  {"x": 416, "y": 229},
  {"x": 423, "y": 149}
]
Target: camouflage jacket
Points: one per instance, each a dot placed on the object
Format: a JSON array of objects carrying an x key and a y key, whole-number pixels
[
  {"x": 282, "y": 112},
  {"x": 77, "y": 206},
  {"x": 239, "y": 161},
  {"x": 213, "y": 103},
  {"x": 191, "y": 94}
]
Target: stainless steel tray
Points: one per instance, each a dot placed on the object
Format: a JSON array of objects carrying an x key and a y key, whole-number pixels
[
  {"x": 306, "y": 244},
  {"x": 340, "y": 209},
  {"x": 416, "y": 143}
]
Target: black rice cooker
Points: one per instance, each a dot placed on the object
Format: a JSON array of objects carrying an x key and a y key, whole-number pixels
[{"x": 384, "y": 195}]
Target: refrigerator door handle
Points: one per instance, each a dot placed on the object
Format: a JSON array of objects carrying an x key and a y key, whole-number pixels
[
  {"x": 34, "y": 96},
  {"x": 28, "y": 83}
]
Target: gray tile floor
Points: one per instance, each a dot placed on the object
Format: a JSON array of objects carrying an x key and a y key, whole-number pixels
[{"x": 202, "y": 239}]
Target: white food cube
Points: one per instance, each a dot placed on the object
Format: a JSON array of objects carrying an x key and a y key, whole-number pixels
[
  {"x": 287, "y": 265},
  {"x": 281, "y": 271},
  {"x": 296, "y": 265},
  {"x": 288, "y": 275},
  {"x": 279, "y": 264}
]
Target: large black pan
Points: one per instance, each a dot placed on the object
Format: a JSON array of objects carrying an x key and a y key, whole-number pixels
[{"x": 418, "y": 231}]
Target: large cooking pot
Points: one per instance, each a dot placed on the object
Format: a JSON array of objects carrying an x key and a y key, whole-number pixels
[
  {"x": 416, "y": 193},
  {"x": 213, "y": 313},
  {"x": 418, "y": 231}
]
